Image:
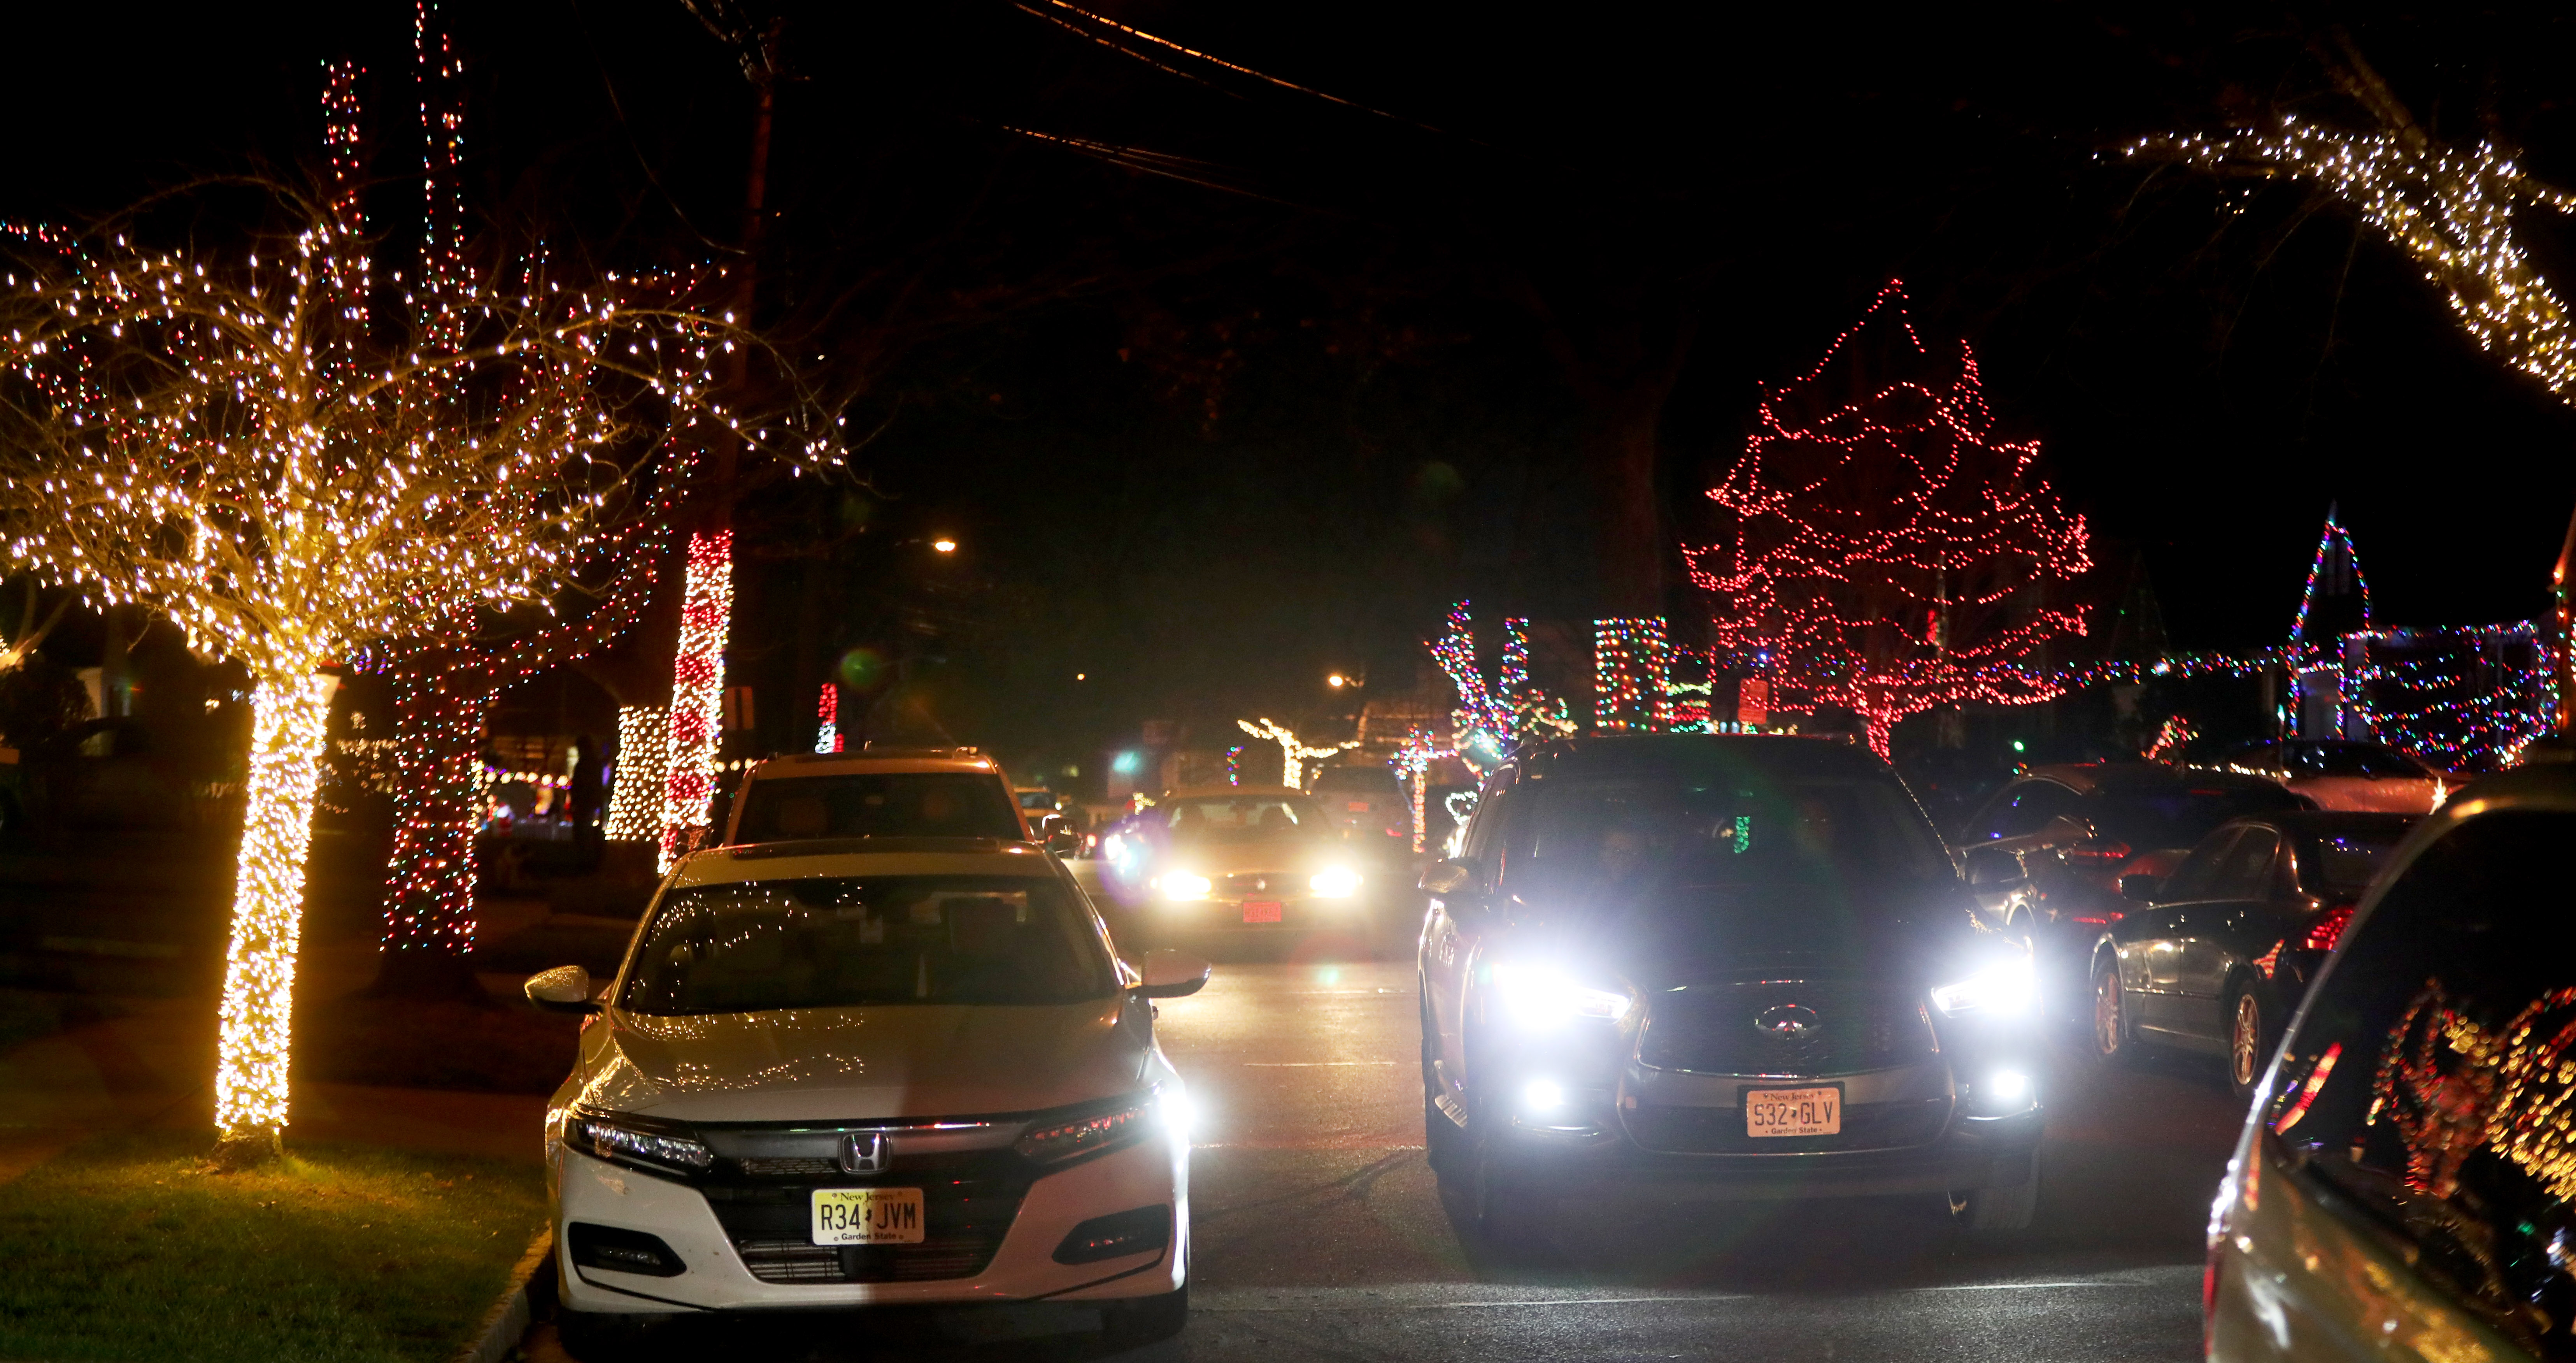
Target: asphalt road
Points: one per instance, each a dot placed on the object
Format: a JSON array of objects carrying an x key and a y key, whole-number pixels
[{"x": 1321, "y": 1234}]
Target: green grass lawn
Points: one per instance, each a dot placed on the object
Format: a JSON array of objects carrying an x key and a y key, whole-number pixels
[{"x": 130, "y": 1247}]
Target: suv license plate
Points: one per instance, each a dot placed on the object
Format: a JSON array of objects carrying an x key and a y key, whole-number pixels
[
  {"x": 867, "y": 1216},
  {"x": 1793, "y": 1112},
  {"x": 1261, "y": 910}
]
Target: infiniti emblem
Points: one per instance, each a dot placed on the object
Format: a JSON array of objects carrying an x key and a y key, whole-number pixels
[
  {"x": 863, "y": 1152},
  {"x": 1787, "y": 1021}
]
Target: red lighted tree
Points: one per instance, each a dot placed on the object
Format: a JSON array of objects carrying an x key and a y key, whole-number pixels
[{"x": 1886, "y": 553}]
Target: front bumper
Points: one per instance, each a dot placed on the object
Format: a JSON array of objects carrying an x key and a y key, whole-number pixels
[{"x": 596, "y": 1192}]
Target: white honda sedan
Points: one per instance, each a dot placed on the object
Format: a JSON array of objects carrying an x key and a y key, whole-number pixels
[{"x": 872, "y": 1071}]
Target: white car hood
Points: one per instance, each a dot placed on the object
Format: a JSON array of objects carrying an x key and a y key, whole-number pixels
[{"x": 862, "y": 1064}]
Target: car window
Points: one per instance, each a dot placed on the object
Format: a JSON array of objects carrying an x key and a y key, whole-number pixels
[
  {"x": 2343, "y": 863},
  {"x": 2429, "y": 1079},
  {"x": 2192, "y": 879},
  {"x": 2246, "y": 871},
  {"x": 879, "y": 805},
  {"x": 1355, "y": 780},
  {"x": 2035, "y": 805},
  {"x": 1484, "y": 826},
  {"x": 754, "y": 946},
  {"x": 2179, "y": 816},
  {"x": 1681, "y": 829},
  {"x": 1244, "y": 818}
]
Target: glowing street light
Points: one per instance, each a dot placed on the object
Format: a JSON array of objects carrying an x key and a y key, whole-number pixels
[
  {"x": 1337, "y": 681},
  {"x": 945, "y": 546}
]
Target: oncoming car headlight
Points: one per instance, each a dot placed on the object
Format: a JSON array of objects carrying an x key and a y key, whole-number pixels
[
  {"x": 1337, "y": 882},
  {"x": 1540, "y": 996},
  {"x": 627, "y": 1140},
  {"x": 1182, "y": 885},
  {"x": 2000, "y": 989}
]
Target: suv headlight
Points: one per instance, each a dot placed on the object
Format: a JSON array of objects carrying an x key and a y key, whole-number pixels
[
  {"x": 1183, "y": 885},
  {"x": 623, "y": 1139},
  {"x": 1063, "y": 1136},
  {"x": 1336, "y": 882},
  {"x": 1541, "y": 996},
  {"x": 2000, "y": 989}
]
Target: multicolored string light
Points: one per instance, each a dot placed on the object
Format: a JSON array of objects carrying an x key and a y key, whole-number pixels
[
  {"x": 1631, "y": 676},
  {"x": 1413, "y": 759},
  {"x": 1930, "y": 592}
]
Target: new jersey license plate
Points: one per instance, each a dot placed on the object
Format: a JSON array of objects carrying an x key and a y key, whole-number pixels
[
  {"x": 867, "y": 1216},
  {"x": 1793, "y": 1112},
  {"x": 1261, "y": 911}
]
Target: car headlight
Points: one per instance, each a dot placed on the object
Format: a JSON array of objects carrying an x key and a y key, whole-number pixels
[
  {"x": 1052, "y": 1140},
  {"x": 1338, "y": 882},
  {"x": 1540, "y": 996},
  {"x": 1182, "y": 885},
  {"x": 628, "y": 1140},
  {"x": 2002, "y": 989}
]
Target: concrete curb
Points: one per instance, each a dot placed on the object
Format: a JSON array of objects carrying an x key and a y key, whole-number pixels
[{"x": 509, "y": 1318}]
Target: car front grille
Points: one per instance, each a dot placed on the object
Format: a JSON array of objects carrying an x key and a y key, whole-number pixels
[
  {"x": 1720, "y": 1130},
  {"x": 969, "y": 1200},
  {"x": 1849, "y": 1026},
  {"x": 1274, "y": 884}
]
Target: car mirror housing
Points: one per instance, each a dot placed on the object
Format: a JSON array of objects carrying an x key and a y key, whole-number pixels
[
  {"x": 1172, "y": 974},
  {"x": 1454, "y": 876},
  {"x": 564, "y": 989}
]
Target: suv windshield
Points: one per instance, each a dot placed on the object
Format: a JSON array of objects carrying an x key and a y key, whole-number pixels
[
  {"x": 1683, "y": 830},
  {"x": 1244, "y": 818},
  {"x": 839, "y": 943},
  {"x": 878, "y": 805}
]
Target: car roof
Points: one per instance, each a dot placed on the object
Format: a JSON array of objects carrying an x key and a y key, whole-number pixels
[
  {"x": 874, "y": 761},
  {"x": 862, "y": 857},
  {"x": 2141, "y": 778},
  {"x": 1621, "y": 754},
  {"x": 1221, "y": 792}
]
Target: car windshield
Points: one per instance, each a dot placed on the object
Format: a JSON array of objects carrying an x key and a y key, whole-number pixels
[
  {"x": 878, "y": 805},
  {"x": 1244, "y": 818},
  {"x": 2180, "y": 818},
  {"x": 1682, "y": 830},
  {"x": 758, "y": 945},
  {"x": 2343, "y": 862}
]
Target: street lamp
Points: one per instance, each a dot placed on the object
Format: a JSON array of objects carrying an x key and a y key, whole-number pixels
[
  {"x": 1337, "y": 681},
  {"x": 944, "y": 545}
]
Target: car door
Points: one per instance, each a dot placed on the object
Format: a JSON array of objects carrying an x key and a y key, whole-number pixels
[
  {"x": 2152, "y": 940},
  {"x": 2213, "y": 931},
  {"x": 1453, "y": 926}
]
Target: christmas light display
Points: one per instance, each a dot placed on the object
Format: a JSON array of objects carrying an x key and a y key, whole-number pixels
[
  {"x": 2338, "y": 567},
  {"x": 1631, "y": 676},
  {"x": 1292, "y": 752},
  {"x": 1234, "y": 765},
  {"x": 1929, "y": 591},
  {"x": 1413, "y": 759},
  {"x": 827, "y": 714},
  {"x": 2449, "y": 209},
  {"x": 643, "y": 758},
  {"x": 242, "y": 440},
  {"x": 697, "y": 691},
  {"x": 2175, "y": 735},
  {"x": 1492, "y": 721}
]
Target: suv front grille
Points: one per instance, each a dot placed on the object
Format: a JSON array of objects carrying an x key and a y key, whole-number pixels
[{"x": 1851, "y": 1025}]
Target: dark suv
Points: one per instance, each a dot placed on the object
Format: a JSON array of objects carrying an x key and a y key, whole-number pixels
[{"x": 1718, "y": 966}]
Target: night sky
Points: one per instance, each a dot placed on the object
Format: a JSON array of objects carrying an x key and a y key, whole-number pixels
[{"x": 1211, "y": 430}]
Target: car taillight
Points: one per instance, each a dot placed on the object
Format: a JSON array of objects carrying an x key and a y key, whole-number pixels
[
  {"x": 2102, "y": 919},
  {"x": 2328, "y": 929},
  {"x": 2100, "y": 851}
]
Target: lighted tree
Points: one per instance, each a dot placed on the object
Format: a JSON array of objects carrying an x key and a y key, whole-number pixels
[
  {"x": 1293, "y": 752},
  {"x": 1887, "y": 553},
  {"x": 236, "y": 437}
]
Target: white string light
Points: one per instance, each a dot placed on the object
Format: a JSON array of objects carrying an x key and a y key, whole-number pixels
[{"x": 1292, "y": 753}]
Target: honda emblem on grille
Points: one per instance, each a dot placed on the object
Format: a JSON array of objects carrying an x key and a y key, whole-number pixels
[
  {"x": 863, "y": 1152},
  {"x": 1788, "y": 1021}
]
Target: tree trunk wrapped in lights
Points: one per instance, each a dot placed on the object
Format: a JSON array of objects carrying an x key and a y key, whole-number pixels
[
  {"x": 1887, "y": 553},
  {"x": 697, "y": 695},
  {"x": 226, "y": 434}
]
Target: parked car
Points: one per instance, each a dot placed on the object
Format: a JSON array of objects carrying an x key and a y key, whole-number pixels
[
  {"x": 897, "y": 1072},
  {"x": 2218, "y": 955},
  {"x": 877, "y": 792},
  {"x": 2344, "y": 774},
  {"x": 2401, "y": 1188},
  {"x": 2044, "y": 855},
  {"x": 1736, "y": 966}
]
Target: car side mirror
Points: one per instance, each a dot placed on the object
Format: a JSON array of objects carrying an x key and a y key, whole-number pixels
[
  {"x": 1457, "y": 875},
  {"x": 1172, "y": 974},
  {"x": 564, "y": 989},
  {"x": 1064, "y": 842},
  {"x": 2141, "y": 886},
  {"x": 1992, "y": 866}
]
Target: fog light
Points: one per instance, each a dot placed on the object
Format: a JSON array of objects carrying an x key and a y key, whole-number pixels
[
  {"x": 1542, "y": 1095},
  {"x": 2006, "y": 1087}
]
